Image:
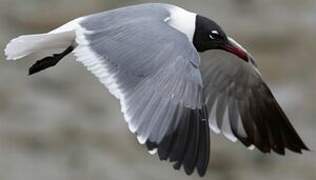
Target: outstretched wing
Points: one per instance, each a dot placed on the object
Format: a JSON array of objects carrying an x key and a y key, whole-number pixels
[
  {"x": 242, "y": 106},
  {"x": 153, "y": 70}
]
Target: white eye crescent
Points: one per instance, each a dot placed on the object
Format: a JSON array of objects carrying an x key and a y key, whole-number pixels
[{"x": 215, "y": 32}]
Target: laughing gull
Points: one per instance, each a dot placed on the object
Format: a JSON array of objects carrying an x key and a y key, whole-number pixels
[{"x": 147, "y": 56}]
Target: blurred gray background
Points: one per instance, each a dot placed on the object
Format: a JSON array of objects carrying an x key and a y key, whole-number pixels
[{"x": 62, "y": 124}]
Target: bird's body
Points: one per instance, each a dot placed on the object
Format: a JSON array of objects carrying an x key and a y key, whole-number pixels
[{"x": 148, "y": 57}]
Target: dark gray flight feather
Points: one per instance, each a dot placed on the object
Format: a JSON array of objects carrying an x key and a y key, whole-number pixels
[{"x": 255, "y": 118}]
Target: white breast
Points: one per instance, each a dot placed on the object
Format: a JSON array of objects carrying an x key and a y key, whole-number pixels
[{"x": 182, "y": 20}]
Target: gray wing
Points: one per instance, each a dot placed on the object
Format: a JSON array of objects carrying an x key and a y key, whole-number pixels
[
  {"x": 153, "y": 70},
  {"x": 242, "y": 106}
]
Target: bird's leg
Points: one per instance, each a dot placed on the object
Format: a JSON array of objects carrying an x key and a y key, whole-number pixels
[{"x": 49, "y": 61}]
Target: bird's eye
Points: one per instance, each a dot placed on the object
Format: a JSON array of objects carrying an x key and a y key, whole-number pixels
[
  {"x": 215, "y": 32},
  {"x": 214, "y": 35}
]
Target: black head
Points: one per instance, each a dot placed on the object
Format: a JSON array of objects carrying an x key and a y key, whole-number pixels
[{"x": 209, "y": 35}]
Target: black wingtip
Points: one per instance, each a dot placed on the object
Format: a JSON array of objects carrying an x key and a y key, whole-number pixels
[
  {"x": 204, "y": 144},
  {"x": 266, "y": 125},
  {"x": 188, "y": 146},
  {"x": 305, "y": 148}
]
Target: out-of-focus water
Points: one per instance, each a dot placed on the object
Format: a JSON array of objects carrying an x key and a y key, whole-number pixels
[{"x": 63, "y": 124}]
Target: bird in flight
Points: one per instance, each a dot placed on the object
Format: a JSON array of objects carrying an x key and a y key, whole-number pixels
[{"x": 147, "y": 56}]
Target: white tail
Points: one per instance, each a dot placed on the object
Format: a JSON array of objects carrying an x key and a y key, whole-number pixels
[{"x": 25, "y": 45}]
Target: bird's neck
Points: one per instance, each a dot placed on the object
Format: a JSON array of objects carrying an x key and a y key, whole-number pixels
[{"x": 183, "y": 21}]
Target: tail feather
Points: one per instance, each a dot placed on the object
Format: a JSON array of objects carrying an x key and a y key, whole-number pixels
[
  {"x": 29, "y": 44},
  {"x": 60, "y": 38}
]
